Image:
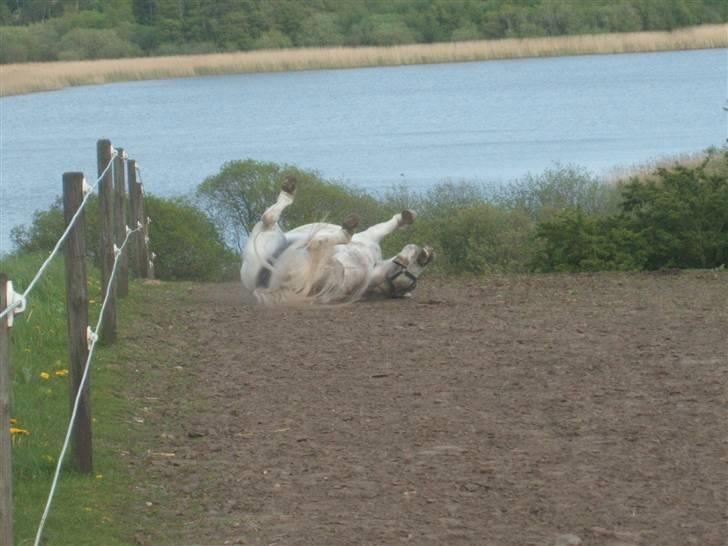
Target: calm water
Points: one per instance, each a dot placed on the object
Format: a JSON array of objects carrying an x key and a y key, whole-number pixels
[{"x": 374, "y": 127}]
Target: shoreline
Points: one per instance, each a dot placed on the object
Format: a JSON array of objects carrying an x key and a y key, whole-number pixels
[{"x": 24, "y": 78}]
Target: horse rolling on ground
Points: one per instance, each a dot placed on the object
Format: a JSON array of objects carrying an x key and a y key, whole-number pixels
[{"x": 326, "y": 263}]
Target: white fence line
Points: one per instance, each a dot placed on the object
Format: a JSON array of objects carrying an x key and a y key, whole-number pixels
[
  {"x": 93, "y": 338},
  {"x": 16, "y": 301},
  {"x": 20, "y": 301}
]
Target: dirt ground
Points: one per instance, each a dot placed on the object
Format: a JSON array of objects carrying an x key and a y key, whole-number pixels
[{"x": 532, "y": 410}]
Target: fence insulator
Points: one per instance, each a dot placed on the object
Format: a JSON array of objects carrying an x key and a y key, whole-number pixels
[
  {"x": 91, "y": 337},
  {"x": 15, "y": 301},
  {"x": 87, "y": 188}
]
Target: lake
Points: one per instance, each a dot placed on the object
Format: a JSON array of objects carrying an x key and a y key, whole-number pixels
[{"x": 373, "y": 127}]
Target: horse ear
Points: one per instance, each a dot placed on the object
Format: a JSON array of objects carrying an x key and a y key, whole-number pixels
[
  {"x": 402, "y": 260},
  {"x": 425, "y": 256}
]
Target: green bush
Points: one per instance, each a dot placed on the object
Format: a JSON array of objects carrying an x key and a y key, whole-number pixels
[
  {"x": 185, "y": 240},
  {"x": 87, "y": 43},
  {"x": 469, "y": 233},
  {"x": 557, "y": 188},
  {"x": 576, "y": 241},
  {"x": 678, "y": 217},
  {"x": 318, "y": 29},
  {"x": 682, "y": 216},
  {"x": 273, "y": 39},
  {"x": 485, "y": 238},
  {"x": 187, "y": 245}
]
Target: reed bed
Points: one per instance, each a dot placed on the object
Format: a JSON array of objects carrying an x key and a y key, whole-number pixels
[{"x": 31, "y": 77}]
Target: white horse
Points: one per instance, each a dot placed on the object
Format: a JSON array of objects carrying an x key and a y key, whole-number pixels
[{"x": 326, "y": 263}]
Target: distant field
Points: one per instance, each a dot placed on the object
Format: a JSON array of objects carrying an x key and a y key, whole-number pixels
[{"x": 31, "y": 77}]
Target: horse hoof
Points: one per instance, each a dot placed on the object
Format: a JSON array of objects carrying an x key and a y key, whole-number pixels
[
  {"x": 350, "y": 224},
  {"x": 289, "y": 184},
  {"x": 408, "y": 216}
]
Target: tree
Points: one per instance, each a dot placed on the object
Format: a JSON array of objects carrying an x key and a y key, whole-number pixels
[{"x": 237, "y": 196}]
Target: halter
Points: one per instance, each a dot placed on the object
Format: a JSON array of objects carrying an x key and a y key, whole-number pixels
[{"x": 399, "y": 292}]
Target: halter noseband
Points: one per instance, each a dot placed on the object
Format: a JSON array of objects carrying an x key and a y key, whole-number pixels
[{"x": 399, "y": 292}]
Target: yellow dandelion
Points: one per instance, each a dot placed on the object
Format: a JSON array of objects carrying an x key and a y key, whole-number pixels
[
  {"x": 15, "y": 431},
  {"x": 61, "y": 373},
  {"x": 44, "y": 376},
  {"x": 99, "y": 476}
]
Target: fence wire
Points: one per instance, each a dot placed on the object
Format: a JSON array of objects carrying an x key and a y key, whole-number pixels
[
  {"x": 93, "y": 334},
  {"x": 93, "y": 339},
  {"x": 10, "y": 308}
]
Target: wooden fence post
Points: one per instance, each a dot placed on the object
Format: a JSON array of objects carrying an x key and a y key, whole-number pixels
[
  {"x": 122, "y": 284},
  {"x": 138, "y": 216},
  {"x": 134, "y": 217},
  {"x": 106, "y": 227},
  {"x": 77, "y": 310},
  {"x": 6, "y": 489}
]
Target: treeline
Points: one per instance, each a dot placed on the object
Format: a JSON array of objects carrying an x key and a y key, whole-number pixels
[
  {"x": 563, "y": 219},
  {"x": 46, "y": 30}
]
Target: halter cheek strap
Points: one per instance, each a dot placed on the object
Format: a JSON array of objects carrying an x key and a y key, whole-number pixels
[{"x": 399, "y": 292}]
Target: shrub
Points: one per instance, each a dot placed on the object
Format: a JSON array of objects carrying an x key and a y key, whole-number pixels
[
  {"x": 186, "y": 242},
  {"x": 682, "y": 216},
  {"x": 576, "y": 241},
  {"x": 88, "y": 43},
  {"x": 273, "y": 39},
  {"x": 469, "y": 233},
  {"x": 187, "y": 245},
  {"x": 320, "y": 29},
  {"x": 677, "y": 217},
  {"x": 556, "y": 189},
  {"x": 484, "y": 238}
]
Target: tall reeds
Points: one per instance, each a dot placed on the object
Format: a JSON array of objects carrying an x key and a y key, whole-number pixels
[{"x": 30, "y": 77}]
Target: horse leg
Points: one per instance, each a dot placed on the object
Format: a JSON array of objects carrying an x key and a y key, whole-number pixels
[
  {"x": 285, "y": 198},
  {"x": 338, "y": 237},
  {"x": 266, "y": 240},
  {"x": 377, "y": 232}
]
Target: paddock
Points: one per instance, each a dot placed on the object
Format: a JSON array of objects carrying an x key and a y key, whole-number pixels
[{"x": 505, "y": 410}]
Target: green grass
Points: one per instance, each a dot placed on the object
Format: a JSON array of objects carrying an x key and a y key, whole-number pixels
[{"x": 88, "y": 509}]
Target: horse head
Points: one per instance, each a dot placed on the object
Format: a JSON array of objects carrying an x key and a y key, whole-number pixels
[{"x": 406, "y": 268}]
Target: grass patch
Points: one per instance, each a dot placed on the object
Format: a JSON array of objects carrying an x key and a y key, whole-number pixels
[
  {"x": 31, "y": 77},
  {"x": 87, "y": 509}
]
